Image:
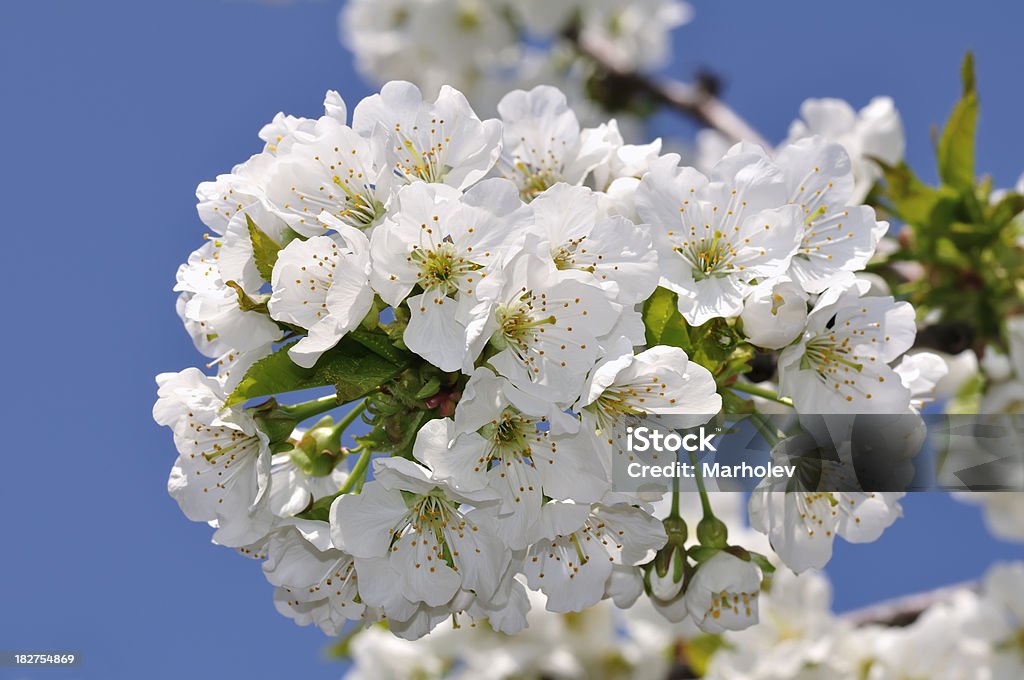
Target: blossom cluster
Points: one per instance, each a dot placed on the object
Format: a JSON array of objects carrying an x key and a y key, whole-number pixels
[
  {"x": 486, "y": 290},
  {"x": 961, "y": 632},
  {"x": 487, "y": 48}
]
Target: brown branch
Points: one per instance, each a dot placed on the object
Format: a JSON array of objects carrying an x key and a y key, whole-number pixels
[
  {"x": 903, "y": 611},
  {"x": 694, "y": 101}
]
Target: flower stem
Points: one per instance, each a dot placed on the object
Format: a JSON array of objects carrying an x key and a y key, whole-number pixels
[
  {"x": 761, "y": 392},
  {"x": 674, "y": 512},
  {"x": 769, "y": 433},
  {"x": 698, "y": 476},
  {"x": 349, "y": 418},
  {"x": 358, "y": 472},
  {"x": 308, "y": 409}
]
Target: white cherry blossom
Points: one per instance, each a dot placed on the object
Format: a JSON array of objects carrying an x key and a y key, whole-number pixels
[
  {"x": 331, "y": 170},
  {"x": 222, "y": 474},
  {"x": 723, "y": 594},
  {"x": 415, "y": 526},
  {"x": 574, "y": 563},
  {"x": 544, "y": 328},
  {"x": 443, "y": 142},
  {"x": 716, "y": 237},
  {"x": 315, "y": 582},
  {"x": 447, "y": 244},
  {"x": 618, "y": 254},
  {"x": 322, "y": 284},
  {"x": 876, "y": 131},
  {"x": 841, "y": 362},
  {"x": 543, "y": 141}
]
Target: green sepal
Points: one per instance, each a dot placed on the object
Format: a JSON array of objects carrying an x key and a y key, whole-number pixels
[{"x": 246, "y": 302}]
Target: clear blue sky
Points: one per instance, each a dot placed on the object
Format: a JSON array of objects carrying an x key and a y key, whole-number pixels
[{"x": 112, "y": 112}]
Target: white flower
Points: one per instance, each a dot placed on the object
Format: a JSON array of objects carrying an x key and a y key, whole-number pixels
[
  {"x": 658, "y": 388},
  {"x": 616, "y": 253},
  {"x": 315, "y": 582},
  {"x": 407, "y": 522},
  {"x": 500, "y": 440},
  {"x": 626, "y": 161},
  {"x": 281, "y": 132},
  {"x": 795, "y": 631},
  {"x": 545, "y": 328},
  {"x": 876, "y": 131},
  {"x": 334, "y": 171},
  {"x": 802, "y": 525},
  {"x": 582, "y": 544},
  {"x": 543, "y": 142},
  {"x": 1003, "y": 594},
  {"x": 775, "y": 313},
  {"x": 444, "y": 142},
  {"x": 222, "y": 474},
  {"x": 920, "y": 373},
  {"x": 211, "y": 308},
  {"x": 838, "y": 237},
  {"x": 462, "y": 43},
  {"x": 232, "y": 193},
  {"x": 841, "y": 364},
  {"x": 715, "y": 238},
  {"x": 723, "y": 594},
  {"x": 1004, "y": 512},
  {"x": 447, "y": 244},
  {"x": 322, "y": 284},
  {"x": 637, "y": 33}
]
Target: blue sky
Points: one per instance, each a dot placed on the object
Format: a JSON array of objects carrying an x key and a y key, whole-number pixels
[{"x": 112, "y": 112}]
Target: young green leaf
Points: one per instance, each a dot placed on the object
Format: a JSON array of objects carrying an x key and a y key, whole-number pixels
[
  {"x": 663, "y": 323},
  {"x": 956, "y": 145}
]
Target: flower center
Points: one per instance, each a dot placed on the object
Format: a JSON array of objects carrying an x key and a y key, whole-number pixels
[
  {"x": 565, "y": 255},
  {"x": 829, "y": 357},
  {"x": 441, "y": 267},
  {"x": 422, "y": 161},
  {"x": 708, "y": 258},
  {"x": 534, "y": 180},
  {"x": 517, "y": 327},
  {"x": 360, "y": 211}
]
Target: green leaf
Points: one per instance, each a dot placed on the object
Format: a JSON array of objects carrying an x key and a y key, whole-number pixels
[
  {"x": 699, "y": 651},
  {"x": 956, "y": 145},
  {"x": 353, "y": 369},
  {"x": 265, "y": 249},
  {"x": 1008, "y": 207},
  {"x": 912, "y": 200},
  {"x": 429, "y": 389},
  {"x": 381, "y": 345},
  {"x": 320, "y": 509},
  {"x": 663, "y": 323}
]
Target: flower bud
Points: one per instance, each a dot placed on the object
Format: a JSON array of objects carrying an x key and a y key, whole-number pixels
[
  {"x": 775, "y": 313},
  {"x": 668, "y": 573},
  {"x": 712, "y": 532}
]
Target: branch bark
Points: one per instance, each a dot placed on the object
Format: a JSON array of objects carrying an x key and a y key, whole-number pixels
[{"x": 693, "y": 101}]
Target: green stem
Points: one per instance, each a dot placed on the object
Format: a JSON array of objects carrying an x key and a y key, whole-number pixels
[
  {"x": 349, "y": 418},
  {"x": 308, "y": 409},
  {"x": 674, "y": 512},
  {"x": 705, "y": 502},
  {"x": 358, "y": 472},
  {"x": 769, "y": 433},
  {"x": 760, "y": 392}
]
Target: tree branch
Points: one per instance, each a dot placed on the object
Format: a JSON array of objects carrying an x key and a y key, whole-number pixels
[
  {"x": 694, "y": 101},
  {"x": 903, "y": 611}
]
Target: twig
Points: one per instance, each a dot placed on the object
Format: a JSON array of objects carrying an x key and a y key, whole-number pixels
[
  {"x": 696, "y": 102},
  {"x": 903, "y": 611}
]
